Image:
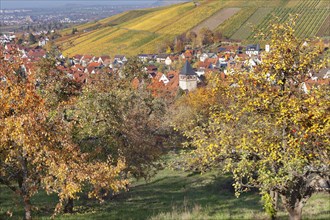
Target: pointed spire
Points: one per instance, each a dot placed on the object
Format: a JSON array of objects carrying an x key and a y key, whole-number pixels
[{"x": 187, "y": 70}]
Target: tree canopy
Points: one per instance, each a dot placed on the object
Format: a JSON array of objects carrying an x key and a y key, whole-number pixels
[
  {"x": 116, "y": 116},
  {"x": 36, "y": 147},
  {"x": 265, "y": 129}
]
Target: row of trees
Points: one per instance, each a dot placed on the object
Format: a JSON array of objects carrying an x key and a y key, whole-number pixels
[{"x": 204, "y": 37}]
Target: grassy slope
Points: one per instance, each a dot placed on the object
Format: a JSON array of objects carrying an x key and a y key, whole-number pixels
[
  {"x": 169, "y": 195},
  {"x": 143, "y": 31}
]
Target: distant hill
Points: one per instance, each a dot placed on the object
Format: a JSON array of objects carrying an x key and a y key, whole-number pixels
[{"x": 143, "y": 31}]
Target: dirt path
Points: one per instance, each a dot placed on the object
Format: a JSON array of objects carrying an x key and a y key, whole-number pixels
[{"x": 215, "y": 20}]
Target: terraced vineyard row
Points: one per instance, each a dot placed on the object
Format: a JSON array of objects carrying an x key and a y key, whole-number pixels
[
  {"x": 310, "y": 24},
  {"x": 324, "y": 4},
  {"x": 231, "y": 25},
  {"x": 192, "y": 18},
  {"x": 247, "y": 28},
  {"x": 309, "y": 3},
  {"x": 325, "y": 28},
  {"x": 309, "y": 21}
]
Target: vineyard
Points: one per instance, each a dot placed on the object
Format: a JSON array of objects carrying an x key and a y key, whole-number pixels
[
  {"x": 309, "y": 22},
  {"x": 247, "y": 28},
  {"x": 146, "y": 30},
  {"x": 325, "y": 28},
  {"x": 138, "y": 31},
  {"x": 231, "y": 25}
]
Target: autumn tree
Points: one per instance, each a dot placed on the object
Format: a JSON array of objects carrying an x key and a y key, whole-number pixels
[
  {"x": 217, "y": 36},
  {"x": 56, "y": 87},
  {"x": 205, "y": 36},
  {"x": 74, "y": 30},
  {"x": 192, "y": 38},
  {"x": 178, "y": 44},
  {"x": 266, "y": 130},
  {"x": 36, "y": 148},
  {"x": 116, "y": 113},
  {"x": 32, "y": 39}
]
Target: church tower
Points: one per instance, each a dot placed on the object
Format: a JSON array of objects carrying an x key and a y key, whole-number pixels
[{"x": 187, "y": 77}]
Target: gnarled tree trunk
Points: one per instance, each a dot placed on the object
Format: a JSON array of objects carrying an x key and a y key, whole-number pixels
[
  {"x": 274, "y": 196},
  {"x": 27, "y": 208},
  {"x": 295, "y": 199},
  {"x": 295, "y": 210},
  {"x": 23, "y": 183},
  {"x": 68, "y": 208}
]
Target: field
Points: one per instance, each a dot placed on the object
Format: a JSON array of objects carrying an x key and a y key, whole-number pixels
[
  {"x": 171, "y": 194},
  {"x": 217, "y": 19},
  {"x": 144, "y": 31}
]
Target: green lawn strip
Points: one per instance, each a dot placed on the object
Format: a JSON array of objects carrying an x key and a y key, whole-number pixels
[{"x": 169, "y": 195}]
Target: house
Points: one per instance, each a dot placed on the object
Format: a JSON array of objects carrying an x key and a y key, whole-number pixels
[
  {"x": 120, "y": 59},
  {"x": 146, "y": 57},
  {"x": 151, "y": 69},
  {"x": 187, "y": 55},
  {"x": 212, "y": 55},
  {"x": 203, "y": 57},
  {"x": 95, "y": 65},
  {"x": 78, "y": 67},
  {"x": 161, "y": 58},
  {"x": 43, "y": 41},
  {"x": 86, "y": 59},
  {"x": 168, "y": 61},
  {"x": 164, "y": 79},
  {"x": 214, "y": 63},
  {"x": 252, "y": 49},
  {"x": 106, "y": 62},
  {"x": 200, "y": 72},
  {"x": 160, "y": 89},
  {"x": 143, "y": 57},
  {"x": 9, "y": 47},
  {"x": 102, "y": 59},
  {"x": 21, "y": 49},
  {"x": 76, "y": 58},
  {"x": 207, "y": 64},
  {"x": 36, "y": 54},
  {"x": 80, "y": 76}
]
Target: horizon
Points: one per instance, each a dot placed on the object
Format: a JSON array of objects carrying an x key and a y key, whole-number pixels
[{"x": 27, "y": 4}]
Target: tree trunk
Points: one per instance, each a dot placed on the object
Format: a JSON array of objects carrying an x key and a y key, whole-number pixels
[
  {"x": 68, "y": 208},
  {"x": 295, "y": 213},
  {"x": 27, "y": 208},
  {"x": 294, "y": 207},
  {"x": 274, "y": 196},
  {"x": 25, "y": 188}
]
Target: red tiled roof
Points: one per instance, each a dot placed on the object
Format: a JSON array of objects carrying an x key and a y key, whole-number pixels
[
  {"x": 87, "y": 57},
  {"x": 78, "y": 66},
  {"x": 160, "y": 89},
  {"x": 80, "y": 76},
  {"x": 94, "y": 64}
]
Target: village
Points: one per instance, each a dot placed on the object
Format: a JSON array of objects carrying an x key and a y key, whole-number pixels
[{"x": 167, "y": 72}]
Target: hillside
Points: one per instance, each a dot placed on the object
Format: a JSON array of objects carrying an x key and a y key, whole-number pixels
[
  {"x": 170, "y": 195},
  {"x": 143, "y": 31}
]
